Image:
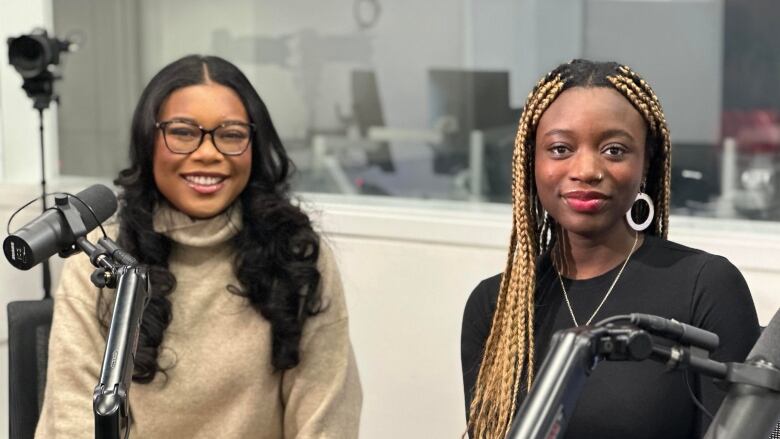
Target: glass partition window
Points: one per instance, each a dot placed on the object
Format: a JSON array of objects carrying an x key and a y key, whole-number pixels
[{"x": 421, "y": 99}]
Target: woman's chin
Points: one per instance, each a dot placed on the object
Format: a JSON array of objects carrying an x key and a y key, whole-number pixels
[
  {"x": 202, "y": 211},
  {"x": 591, "y": 226}
]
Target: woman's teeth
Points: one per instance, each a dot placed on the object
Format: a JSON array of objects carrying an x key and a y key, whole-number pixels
[{"x": 203, "y": 180}]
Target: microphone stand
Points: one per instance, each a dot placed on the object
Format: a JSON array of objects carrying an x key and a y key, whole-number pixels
[
  {"x": 46, "y": 268},
  {"x": 574, "y": 353},
  {"x": 115, "y": 269}
]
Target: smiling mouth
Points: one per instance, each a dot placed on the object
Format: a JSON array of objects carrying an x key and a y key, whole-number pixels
[
  {"x": 204, "y": 180},
  {"x": 205, "y": 185}
]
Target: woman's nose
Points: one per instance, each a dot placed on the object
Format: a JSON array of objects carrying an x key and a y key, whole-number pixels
[
  {"x": 586, "y": 167},
  {"x": 207, "y": 151}
]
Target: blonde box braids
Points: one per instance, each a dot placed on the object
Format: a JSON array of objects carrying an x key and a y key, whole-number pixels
[{"x": 508, "y": 359}]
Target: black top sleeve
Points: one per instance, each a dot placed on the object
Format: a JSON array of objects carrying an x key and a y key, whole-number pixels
[
  {"x": 475, "y": 331},
  {"x": 722, "y": 304}
]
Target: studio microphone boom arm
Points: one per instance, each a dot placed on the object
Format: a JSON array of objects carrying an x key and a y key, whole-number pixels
[
  {"x": 63, "y": 230},
  {"x": 115, "y": 269},
  {"x": 751, "y": 407},
  {"x": 573, "y": 355},
  {"x": 575, "y": 352}
]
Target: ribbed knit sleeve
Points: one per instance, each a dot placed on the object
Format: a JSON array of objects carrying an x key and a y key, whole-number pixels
[{"x": 322, "y": 395}]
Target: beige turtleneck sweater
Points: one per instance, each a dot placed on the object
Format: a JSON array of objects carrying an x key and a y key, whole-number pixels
[{"x": 222, "y": 384}]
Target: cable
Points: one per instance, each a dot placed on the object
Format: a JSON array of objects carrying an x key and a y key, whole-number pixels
[
  {"x": 91, "y": 211},
  {"x": 8, "y": 224},
  {"x": 695, "y": 399},
  {"x": 691, "y": 393},
  {"x": 94, "y": 215},
  {"x": 613, "y": 319}
]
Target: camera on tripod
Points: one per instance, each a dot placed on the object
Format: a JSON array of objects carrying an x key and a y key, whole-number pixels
[{"x": 35, "y": 56}]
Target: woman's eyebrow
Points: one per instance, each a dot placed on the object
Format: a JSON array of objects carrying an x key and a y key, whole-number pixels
[
  {"x": 617, "y": 132},
  {"x": 183, "y": 119},
  {"x": 555, "y": 131},
  {"x": 606, "y": 134},
  {"x": 195, "y": 122}
]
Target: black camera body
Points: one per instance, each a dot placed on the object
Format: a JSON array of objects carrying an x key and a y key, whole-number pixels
[{"x": 33, "y": 56}]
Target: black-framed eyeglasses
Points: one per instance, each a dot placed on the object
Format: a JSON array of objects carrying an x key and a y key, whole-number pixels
[{"x": 184, "y": 137}]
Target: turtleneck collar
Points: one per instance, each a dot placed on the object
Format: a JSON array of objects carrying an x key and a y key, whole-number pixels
[{"x": 183, "y": 229}]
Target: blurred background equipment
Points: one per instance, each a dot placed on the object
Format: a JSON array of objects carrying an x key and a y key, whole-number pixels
[{"x": 36, "y": 57}]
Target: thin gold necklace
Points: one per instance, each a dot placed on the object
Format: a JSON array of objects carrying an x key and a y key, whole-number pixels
[{"x": 609, "y": 291}]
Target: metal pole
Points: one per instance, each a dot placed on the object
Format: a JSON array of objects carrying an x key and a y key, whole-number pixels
[{"x": 46, "y": 270}]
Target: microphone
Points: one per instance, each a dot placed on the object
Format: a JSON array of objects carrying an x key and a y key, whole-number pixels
[
  {"x": 674, "y": 330},
  {"x": 752, "y": 411},
  {"x": 51, "y": 232}
]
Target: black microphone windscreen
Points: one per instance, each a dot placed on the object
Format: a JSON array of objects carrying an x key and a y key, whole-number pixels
[
  {"x": 50, "y": 232},
  {"x": 101, "y": 199},
  {"x": 767, "y": 348}
]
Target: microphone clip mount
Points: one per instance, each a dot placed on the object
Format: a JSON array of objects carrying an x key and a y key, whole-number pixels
[{"x": 760, "y": 374}]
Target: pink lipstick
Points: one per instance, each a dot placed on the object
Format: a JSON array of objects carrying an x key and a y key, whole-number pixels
[{"x": 585, "y": 201}]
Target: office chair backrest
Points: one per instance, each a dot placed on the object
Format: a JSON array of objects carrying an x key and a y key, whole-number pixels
[{"x": 29, "y": 323}]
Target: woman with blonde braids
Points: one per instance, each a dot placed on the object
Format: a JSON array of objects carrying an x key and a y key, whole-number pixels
[{"x": 590, "y": 189}]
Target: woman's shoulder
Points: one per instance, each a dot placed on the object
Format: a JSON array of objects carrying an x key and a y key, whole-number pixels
[
  {"x": 660, "y": 249},
  {"x": 332, "y": 299},
  {"x": 720, "y": 302},
  {"x": 489, "y": 286},
  {"x": 662, "y": 244},
  {"x": 707, "y": 270},
  {"x": 482, "y": 300},
  {"x": 326, "y": 259}
]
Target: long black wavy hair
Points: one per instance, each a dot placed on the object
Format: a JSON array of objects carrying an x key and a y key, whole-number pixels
[{"x": 276, "y": 249}]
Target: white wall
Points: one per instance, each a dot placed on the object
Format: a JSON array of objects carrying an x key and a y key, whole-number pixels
[{"x": 406, "y": 298}]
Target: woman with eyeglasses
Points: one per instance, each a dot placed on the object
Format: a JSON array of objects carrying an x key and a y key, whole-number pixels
[{"x": 246, "y": 333}]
